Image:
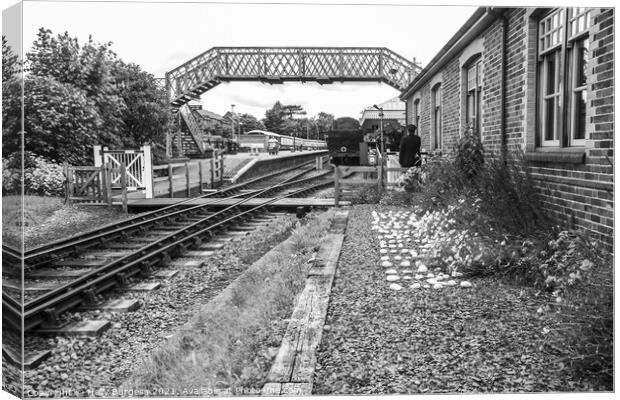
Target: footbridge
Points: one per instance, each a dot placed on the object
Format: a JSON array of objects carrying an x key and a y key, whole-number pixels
[{"x": 276, "y": 65}]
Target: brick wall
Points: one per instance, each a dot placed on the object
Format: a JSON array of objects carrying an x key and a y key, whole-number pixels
[
  {"x": 579, "y": 194},
  {"x": 451, "y": 105}
]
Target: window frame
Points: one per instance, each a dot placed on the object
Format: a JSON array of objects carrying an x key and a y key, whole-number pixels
[
  {"x": 436, "y": 112},
  {"x": 560, "y": 39},
  {"x": 416, "y": 113},
  {"x": 474, "y": 93}
]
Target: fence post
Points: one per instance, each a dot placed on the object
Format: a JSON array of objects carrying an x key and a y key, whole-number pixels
[
  {"x": 102, "y": 184},
  {"x": 170, "y": 186},
  {"x": 68, "y": 182},
  {"x": 107, "y": 172},
  {"x": 380, "y": 176},
  {"x": 147, "y": 172},
  {"x": 221, "y": 167},
  {"x": 124, "y": 187},
  {"x": 200, "y": 177},
  {"x": 336, "y": 185},
  {"x": 97, "y": 155},
  {"x": 212, "y": 173},
  {"x": 187, "y": 188}
]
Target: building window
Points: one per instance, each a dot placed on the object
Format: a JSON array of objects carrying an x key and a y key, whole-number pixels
[
  {"x": 416, "y": 113},
  {"x": 474, "y": 89},
  {"x": 436, "y": 107},
  {"x": 563, "y": 48}
]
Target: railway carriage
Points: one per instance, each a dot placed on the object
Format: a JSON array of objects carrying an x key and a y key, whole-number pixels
[{"x": 258, "y": 138}]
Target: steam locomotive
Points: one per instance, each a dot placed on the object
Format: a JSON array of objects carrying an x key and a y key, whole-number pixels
[{"x": 348, "y": 145}]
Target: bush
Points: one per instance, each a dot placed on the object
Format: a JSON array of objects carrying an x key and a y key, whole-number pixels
[
  {"x": 469, "y": 154},
  {"x": 41, "y": 176},
  {"x": 509, "y": 196},
  {"x": 367, "y": 194}
]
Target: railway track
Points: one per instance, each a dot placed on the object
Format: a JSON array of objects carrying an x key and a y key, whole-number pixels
[
  {"x": 65, "y": 247},
  {"x": 142, "y": 244}
]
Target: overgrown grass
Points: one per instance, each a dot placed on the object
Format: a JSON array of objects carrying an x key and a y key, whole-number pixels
[
  {"x": 36, "y": 209},
  {"x": 225, "y": 349}
]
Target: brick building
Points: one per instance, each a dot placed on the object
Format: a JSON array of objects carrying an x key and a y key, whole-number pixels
[{"x": 539, "y": 80}]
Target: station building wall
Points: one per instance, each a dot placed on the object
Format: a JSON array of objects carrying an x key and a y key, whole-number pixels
[{"x": 575, "y": 181}]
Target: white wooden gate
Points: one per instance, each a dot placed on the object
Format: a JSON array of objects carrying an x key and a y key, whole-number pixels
[{"x": 138, "y": 164}]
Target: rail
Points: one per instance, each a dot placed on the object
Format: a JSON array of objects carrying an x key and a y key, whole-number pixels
[{"x": 48, "y": 306}]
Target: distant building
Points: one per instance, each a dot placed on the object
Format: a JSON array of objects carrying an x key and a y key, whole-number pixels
[
  {"x": 210, "y": 120},
  {"x": 393, "y": 112}
]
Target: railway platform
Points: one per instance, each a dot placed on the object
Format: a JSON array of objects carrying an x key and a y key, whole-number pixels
[{"x": 237, "y": 167}]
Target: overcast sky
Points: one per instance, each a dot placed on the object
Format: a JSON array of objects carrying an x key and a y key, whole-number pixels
[{"x": 160, "y": 36}]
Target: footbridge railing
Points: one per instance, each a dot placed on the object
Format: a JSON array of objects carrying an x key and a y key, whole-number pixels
[{"x": 279, "y": 64}]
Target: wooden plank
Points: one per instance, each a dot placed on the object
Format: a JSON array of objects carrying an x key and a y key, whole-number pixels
[
  {"x": 327, "y": 259},
  {"x": 292, "y": 372},
  {"x": 305, "y": 360},
  {"x": 350, "y": 182},
  {"x": 282, "y": 367}
]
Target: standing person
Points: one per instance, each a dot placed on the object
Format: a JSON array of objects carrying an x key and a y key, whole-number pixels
[
  {"x": 272, "y": 144},
  {"x": 409, "y": 154}
]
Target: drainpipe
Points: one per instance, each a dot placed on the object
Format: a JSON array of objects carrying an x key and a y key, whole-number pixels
[{"x": 500, "y": 15}]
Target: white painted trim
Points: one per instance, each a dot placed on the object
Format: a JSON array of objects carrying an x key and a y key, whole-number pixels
[{"x": 474, "y": 48}]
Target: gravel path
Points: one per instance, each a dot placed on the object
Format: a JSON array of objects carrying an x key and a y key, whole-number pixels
[
  {"x": 450, "y": 340},
  {"x": 103, "y": 363}
]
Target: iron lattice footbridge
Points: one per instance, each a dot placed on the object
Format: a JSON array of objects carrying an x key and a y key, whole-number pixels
[
  {"x": 279, "y": 64},
  {"x": 275, "y": 65}
]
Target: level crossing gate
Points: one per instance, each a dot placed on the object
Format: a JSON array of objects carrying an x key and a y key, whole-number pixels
[{"x": 138, "y": 166}]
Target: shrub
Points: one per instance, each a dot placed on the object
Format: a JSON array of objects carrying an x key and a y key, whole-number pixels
[
  {"x": 509, "y": 196},
  {"x": 41, "y": 176},
  {"x": 469, "y": 154},
  {"x": 367, "y": 194}
]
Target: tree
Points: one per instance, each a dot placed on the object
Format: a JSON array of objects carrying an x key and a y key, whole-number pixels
[
  {"x": 324, "y": 122},
  {"x": 145, "y": 115},
  {"x": 60, "y": 121},
  {"x": 274, "y": 118},
  {"x": 88, "y": 68},
  {"x": 292, "y": 110},
  {"x": 248, "y": 122},
  {"x": 11, "y": 101},
  {"x": 280, "y": 119},
  {"x": 77, "y": 96},
  {"x": 290, "y": 127},
  {"x": 10, "y": 61}
]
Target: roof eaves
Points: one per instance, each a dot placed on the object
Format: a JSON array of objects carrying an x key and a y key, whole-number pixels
[{"x": 479, "y": 20}]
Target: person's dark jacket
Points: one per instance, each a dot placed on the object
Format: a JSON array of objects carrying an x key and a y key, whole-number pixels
[{"x": 409, "y": 151}]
